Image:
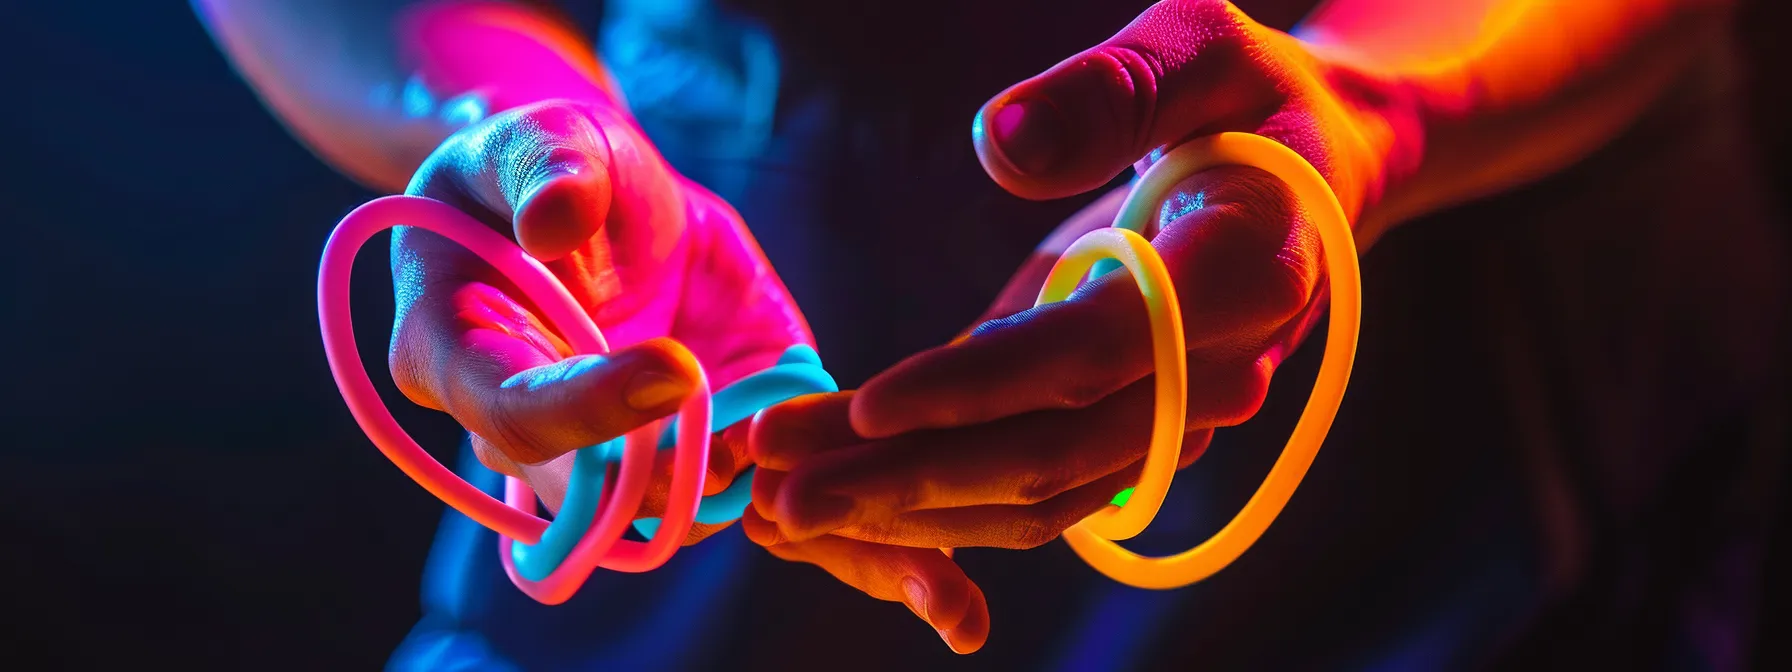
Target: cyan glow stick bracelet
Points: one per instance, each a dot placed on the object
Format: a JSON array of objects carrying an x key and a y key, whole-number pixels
[{"x": 555, "y": 558}]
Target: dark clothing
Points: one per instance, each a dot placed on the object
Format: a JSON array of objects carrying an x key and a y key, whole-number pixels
[{"x": 1559, "y": 449}]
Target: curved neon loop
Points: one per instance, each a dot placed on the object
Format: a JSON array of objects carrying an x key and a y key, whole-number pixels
[
  {"x": 1093, "y": 538},
  {"x": 610, "y": 479}
]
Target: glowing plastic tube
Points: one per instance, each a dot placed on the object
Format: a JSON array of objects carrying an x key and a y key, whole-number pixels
[
  {"x": 1093, "y": 538},
  {"x": 609, "y": 480}
]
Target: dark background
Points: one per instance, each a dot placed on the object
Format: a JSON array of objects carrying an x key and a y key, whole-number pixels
[{"x": 179, "y": 480}]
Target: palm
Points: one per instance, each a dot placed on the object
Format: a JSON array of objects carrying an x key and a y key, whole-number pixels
[
  {"x": 651, "y": 258},
  {"x": 733, "y": 313}
]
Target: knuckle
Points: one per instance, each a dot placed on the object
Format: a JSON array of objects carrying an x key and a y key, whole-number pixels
[
  {"x": 494, "y": 459},
  {"x": 1044, "y": 522},
  {"x": 1095, "y": 371},
  {"x": 1034, "y": 529},
  {"x": 1292, "y": 284},
  {"x": 1207, "y": 24},
  {"x": 401, "y": 361},
  {"x": 1084, "y": 393},
  {"x": 407, "y": 359},
  {"x": 1244, "y": 395},
  {"x": 1273, "y": 210},
  {"x": 1254, "y": 190},
  {"x": 1179, "y": 31},
  {"x": 508, "y": 433},
  {"x": 1253, "y": 232},
  {"x": 1041, "y": 485},
  {"x": 498, "y": 419},
  {"x": 1132, "y": 72},
  {"x": 911, "y": 498}
]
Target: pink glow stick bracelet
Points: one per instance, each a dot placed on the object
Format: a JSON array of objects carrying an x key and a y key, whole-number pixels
[
  {"x": 559, "y": 572},
  {"x": 561, "y": 554}
]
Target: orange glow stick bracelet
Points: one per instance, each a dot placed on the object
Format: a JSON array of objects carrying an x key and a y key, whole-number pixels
[
  {"x": 1093, "y": 538},
  {"x": 609, "y": 480}
]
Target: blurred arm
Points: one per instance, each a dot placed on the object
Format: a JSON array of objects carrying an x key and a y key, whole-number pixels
[
  {"x": 1509, "y": 90},
  {"x": 373, "y": 86}
]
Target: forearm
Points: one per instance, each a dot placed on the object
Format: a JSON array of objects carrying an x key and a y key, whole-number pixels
[
  {"x": 1500, "y": 92},
  {"x": 373, "y": 86}
]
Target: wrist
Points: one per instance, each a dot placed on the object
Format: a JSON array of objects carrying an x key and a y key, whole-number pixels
[
  {"x": 1382, "y": 139},
  {"x": 1375, "y": 135}
]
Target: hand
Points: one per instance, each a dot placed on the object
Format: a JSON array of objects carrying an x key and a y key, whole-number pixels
[
  {"x": 655, "y": 260},
  {"x": 1039, "y": 418}
]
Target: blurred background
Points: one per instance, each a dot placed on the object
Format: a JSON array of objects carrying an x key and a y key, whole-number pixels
[{"x": 179, "y": 481}]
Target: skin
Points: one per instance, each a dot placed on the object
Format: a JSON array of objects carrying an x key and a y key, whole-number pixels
[
  {"x": 1011, "y": 435},
  {"x": 1037, "y": 416},
  {"x": 666, "y": 270}
]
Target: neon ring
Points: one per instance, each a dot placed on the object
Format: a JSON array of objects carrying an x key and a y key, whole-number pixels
[
  {"x": 609, "y": 480},
  {"x": 1093, "y": 538}
]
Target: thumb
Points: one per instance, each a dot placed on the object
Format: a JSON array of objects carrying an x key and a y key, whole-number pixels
[
  {"x": 545, "y": 169},
  {"x": 562, "y": 205},
  {"x": 1180, "y": 68},
  {"x": 548, "y": 410}
]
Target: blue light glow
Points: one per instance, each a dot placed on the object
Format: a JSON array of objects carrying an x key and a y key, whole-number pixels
[
  {"x": 464, "y": 110},
  {"x": 1180, "y": 205},
  {"x": 416, "y": 101}
]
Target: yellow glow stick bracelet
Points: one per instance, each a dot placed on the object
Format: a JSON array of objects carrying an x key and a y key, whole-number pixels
[{"x": 1093, "y": 538}]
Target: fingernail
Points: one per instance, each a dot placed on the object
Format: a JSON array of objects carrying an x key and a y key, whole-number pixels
[
  {"x": 550, "y": 185},
  {"x": 818, "y": 515},
  {"x": 946, "y": 636},
  {"x": 651, "y": 391},
  {"x": 917, "y": 602},
  {"x": 1028, "y": 134},
  {"x": 562, "y": 162}
]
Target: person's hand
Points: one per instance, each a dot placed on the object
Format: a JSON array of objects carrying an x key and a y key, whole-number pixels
[
  {"x": 1040, "y": 417},
  {"x": 654, "y": 259}
]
